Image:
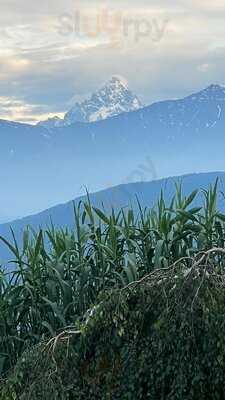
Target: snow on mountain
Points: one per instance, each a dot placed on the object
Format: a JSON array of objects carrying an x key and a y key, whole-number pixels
[
  {"x": 113, "y": 99},
  {"x": 212, "y": 92},
  {"x": 196, "y": 112}
]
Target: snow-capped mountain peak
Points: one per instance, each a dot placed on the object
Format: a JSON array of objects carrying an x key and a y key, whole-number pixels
[{"x": 112, "y": 99}]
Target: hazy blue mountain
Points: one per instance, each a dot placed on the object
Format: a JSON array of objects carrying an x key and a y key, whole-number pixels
[
  {"x": 40, "y": 167},
  {"x": 50, "y": 123},
  {"x": 116, "y": 197}
]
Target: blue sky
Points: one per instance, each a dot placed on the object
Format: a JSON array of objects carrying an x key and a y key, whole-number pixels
[{"x": 56, "y": 52}]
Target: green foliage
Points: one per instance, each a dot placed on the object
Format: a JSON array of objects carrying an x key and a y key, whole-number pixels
[
  {"x": 59, "y": 275},
  {"x": 159, "y": 338}
]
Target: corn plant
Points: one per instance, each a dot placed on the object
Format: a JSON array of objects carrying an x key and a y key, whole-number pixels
[{"x": 57, "y": 275}]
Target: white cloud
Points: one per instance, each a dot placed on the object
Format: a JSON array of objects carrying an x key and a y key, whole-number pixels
[
  {"x": 19, "y": 110},
  {"x": 204, "y": 67}
]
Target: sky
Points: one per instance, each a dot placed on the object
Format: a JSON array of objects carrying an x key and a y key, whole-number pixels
[{"x": 54, "y": 53}]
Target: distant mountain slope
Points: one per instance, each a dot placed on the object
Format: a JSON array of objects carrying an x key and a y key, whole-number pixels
[
  {"x": 39, "y": 166},
  {"x": 112, "y": 99},
  {"x": 116, "y": 197},
  {"x": 51, "y": 123}
]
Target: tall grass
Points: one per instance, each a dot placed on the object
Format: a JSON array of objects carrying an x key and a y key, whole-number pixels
[{"x": 58, "y": 274}]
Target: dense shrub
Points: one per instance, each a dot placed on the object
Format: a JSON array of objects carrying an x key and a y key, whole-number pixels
[{"x": 161, "y": 337}]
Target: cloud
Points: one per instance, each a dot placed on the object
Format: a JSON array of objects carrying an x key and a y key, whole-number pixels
[
  {"x": 164, "y": 49},
  {"x": 19, "y": 110},
  {"x": 204, "y": 67}
]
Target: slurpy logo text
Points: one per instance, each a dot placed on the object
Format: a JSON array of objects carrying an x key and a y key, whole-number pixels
[{"x": 113, "y": 25}]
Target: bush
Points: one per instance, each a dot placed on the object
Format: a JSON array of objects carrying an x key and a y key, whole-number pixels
[{"x": 161, "y": 337}]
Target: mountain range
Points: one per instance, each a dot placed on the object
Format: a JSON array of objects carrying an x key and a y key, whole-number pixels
[{"x": 41, "y": 167}]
